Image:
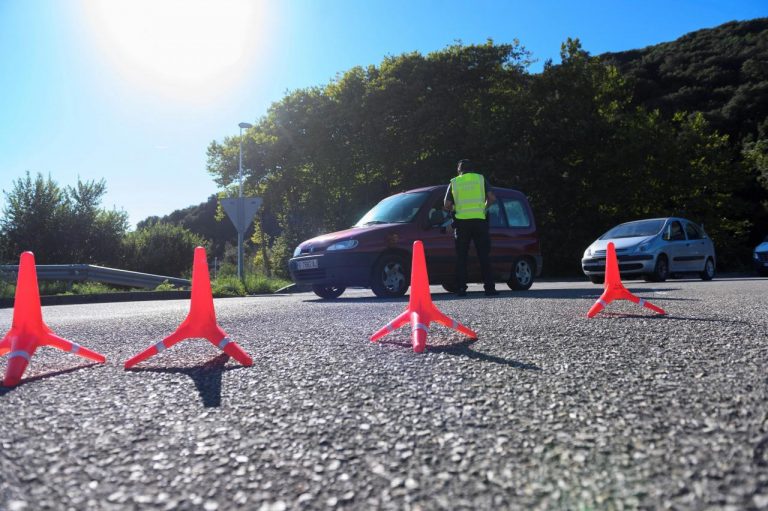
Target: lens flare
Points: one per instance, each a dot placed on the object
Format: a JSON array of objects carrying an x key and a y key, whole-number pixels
[{"x": 182, "y": 48}]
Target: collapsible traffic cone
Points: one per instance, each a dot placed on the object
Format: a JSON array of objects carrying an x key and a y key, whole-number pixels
[
  {"x": 200, "y": 322},
  {"x": 421, "y": 311},
  {"x": 614, "y": 289},
  {"x": 28, "y": 330}
]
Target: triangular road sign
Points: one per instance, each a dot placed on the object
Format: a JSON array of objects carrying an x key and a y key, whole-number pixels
[{"x": 241, "y": 211}]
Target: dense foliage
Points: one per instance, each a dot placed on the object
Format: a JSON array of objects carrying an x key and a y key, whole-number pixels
[
  {"x": 160, "y": 248},
  {"x": 202, "y": 220},
  {"x": 60, "y": 225},
  {"x": 67, "y": 226},
  {"x": 571, "y": 137},
  {"x": 721, "y": 72}
]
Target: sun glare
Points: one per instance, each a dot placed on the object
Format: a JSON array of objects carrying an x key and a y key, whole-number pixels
[{"x": 188, "y": 49}]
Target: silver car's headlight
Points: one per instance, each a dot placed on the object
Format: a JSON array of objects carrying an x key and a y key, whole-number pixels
[
  {"x": 297, "y": 252},
  {"x": 642, "y": 247},
  {"x": 588, "y": 252},
  {"x": 343, "y": 245}
]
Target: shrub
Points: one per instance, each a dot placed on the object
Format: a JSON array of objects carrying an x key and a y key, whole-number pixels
[
  {"x": 165, "y": 286},
  {"x": 227, "y": 286},
  {"x": 259, "y": 284},
  {"x": 7, "y": 290},
  {"x": 163, "y": 249}
]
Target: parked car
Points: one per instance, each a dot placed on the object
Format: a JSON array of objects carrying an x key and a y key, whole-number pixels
[
  {"x": 760, "y": 258},
  {"x": 654, "y": 249},
  {"x": 376, "y": 251}
]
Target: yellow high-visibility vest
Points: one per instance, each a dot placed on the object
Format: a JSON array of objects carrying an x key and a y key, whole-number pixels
[{"x": 469, "y": 196}]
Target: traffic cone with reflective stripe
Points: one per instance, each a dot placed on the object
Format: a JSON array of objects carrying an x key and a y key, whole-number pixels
[
  {"x": 421, "y": 311},
  {"x": 614, "y": 289},
  {"x": 200, "y": 322},
  {"x": 28, "y": 330}
]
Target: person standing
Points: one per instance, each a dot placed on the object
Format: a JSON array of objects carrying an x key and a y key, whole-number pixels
[{"x": 469, "y": 196}]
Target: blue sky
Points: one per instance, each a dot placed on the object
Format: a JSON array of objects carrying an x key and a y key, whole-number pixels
[{"x": 134, "y": 90}]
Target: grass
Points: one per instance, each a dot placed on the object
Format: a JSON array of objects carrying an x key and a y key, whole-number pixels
[
  {"x": 253, "y": 284},
  {"x": 261, "y": 284}
]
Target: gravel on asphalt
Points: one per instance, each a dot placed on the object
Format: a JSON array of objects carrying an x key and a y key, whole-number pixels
[{"x": 545, "y": 410}]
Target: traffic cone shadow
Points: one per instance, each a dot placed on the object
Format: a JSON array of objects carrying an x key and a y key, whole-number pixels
[
  {"x": 614, "y": 289},
  {"x": 28, "y": 330},
  {"x": 420, "y": 311},
  {"x": 200, "y": 322},
  {"x": 207, "y": 377}
]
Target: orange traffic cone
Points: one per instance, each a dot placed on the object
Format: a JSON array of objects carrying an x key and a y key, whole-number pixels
[
  {"x": 28, "y": 330},
  {"x": 200, "y": 322},
  {"x": 421, "y": 311},
  {"x": 614, "y": 289}
]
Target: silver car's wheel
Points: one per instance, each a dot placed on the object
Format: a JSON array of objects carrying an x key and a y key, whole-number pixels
[
  {"x": 660, "y": 270},
  {"x": 709, "y": 270}
]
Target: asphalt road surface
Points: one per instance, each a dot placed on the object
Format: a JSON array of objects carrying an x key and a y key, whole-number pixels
[{"x": 546, "y": 410}]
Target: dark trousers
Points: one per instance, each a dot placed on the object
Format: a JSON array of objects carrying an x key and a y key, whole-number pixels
[{"x": 476, "y": 231}]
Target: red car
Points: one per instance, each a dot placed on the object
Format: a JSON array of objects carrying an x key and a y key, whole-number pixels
[{"x": 376, "y": 252}]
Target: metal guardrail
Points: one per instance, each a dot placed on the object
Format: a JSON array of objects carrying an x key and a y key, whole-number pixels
[{"x": 83, "y": 272}]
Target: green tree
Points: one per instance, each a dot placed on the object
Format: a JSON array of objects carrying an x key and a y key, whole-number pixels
[
  {"x": 203, "y": 220},
  {"x": 61, "y": 225},
  {"x": 162, "y": 249}
]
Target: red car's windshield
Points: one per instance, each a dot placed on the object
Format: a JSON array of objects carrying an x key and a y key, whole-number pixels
[{"x": 398, "y": 209}]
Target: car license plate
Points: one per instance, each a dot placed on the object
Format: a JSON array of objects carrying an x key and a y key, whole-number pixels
[{"x": 310, "y": 264}]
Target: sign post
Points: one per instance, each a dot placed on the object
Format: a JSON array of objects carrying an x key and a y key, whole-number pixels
[{"x": 241, "y": 211}]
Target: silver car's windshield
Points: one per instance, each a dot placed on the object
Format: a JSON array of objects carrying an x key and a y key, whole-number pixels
[
  {"x": 634, "y": 229},
  {"x": 398, "y": 209}
]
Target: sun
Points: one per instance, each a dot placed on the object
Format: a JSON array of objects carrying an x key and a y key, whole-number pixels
[{"x": 182, "y": 48}]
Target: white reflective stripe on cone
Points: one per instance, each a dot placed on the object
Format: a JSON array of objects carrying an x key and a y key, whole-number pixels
[
  {"x": 224, "y": 342},
  {"x": 602, "y": 302},
  {"x": 421, "y": 326},
  {"x": 455, "y": 324},
  {"x": 22, "y": 354},
  {"x": 75, "y": 348},
  {"x": 160, "y": 347},
  {"x": 641, "y": 302}
]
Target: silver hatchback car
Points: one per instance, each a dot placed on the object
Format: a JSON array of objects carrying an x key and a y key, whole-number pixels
[{"x": 653, "y": 249}]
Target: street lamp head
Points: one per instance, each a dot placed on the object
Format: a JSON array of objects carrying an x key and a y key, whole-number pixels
[{"x": 245, "y": 125}]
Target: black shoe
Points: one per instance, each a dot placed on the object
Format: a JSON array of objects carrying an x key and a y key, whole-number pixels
[{"x": 491, "y": 292}]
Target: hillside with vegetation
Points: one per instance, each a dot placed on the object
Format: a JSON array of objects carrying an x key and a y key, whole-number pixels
[{"x": 721, "y": 72}]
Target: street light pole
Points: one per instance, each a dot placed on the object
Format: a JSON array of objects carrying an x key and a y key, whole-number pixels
[{"x": 242, "y": 125}]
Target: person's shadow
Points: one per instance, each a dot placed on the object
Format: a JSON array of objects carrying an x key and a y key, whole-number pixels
[
  {"x": 207, "y": 377},
  {"x": 51, "y": 374},
  {"x": 463, "y": 349}
]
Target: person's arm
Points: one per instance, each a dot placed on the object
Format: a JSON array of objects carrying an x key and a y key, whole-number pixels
[
  {"x": 490, "y": 197},
  {"x": 448, "y": 200}
]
